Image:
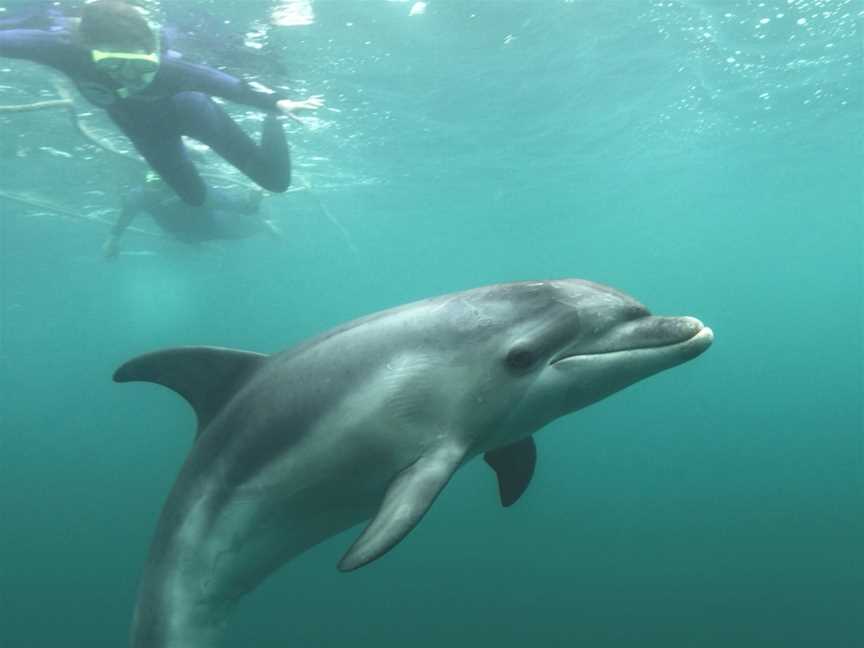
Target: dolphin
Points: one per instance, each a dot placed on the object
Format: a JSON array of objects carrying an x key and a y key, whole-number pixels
[{"x": 369, "y": 421}]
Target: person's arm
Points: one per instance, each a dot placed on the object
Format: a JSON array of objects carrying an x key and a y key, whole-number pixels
[
  {"x": 48, "y": 48},
  {"x": 40, "y": 15},
  {"x": 219, "y": 84},
  {"x": 132, "y": 204}
]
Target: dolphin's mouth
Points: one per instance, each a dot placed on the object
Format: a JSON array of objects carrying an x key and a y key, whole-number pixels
[{"x": 699, "y": 338}]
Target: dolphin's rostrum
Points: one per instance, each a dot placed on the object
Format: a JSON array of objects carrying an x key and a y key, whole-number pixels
[{"x": 370, "y": 420}]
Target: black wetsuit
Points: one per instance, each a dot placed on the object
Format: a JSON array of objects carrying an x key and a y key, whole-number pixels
[
  {"x": 225, "y": 215},
  {"x": 176, "y": 103}
]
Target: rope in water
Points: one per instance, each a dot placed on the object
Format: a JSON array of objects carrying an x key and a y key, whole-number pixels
[
  {"x": 45, "y": 205},
  {"x": 38, "y": 105}
]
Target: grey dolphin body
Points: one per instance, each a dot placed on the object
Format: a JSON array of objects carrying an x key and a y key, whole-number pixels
[{"x": 370, "y": 420}]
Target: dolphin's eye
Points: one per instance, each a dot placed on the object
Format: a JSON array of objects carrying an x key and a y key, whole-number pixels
[{"x": 520, "y": 358}]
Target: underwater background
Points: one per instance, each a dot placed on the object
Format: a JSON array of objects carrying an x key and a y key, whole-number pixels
[{"x": 704, "y": 156}]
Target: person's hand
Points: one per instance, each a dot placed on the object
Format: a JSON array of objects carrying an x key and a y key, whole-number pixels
[
  {"x": 288, "y": 107},
  {"x": 111, "y": 247}
]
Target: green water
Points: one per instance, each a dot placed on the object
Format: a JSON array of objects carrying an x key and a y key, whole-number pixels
[{"x": 704, "y": 156}]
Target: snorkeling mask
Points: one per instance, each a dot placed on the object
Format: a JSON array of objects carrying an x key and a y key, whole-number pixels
[{"x": 133, "y": 71}]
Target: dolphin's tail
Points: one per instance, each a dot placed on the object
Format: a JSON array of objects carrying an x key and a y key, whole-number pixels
[{"x": 207, "y": 377}]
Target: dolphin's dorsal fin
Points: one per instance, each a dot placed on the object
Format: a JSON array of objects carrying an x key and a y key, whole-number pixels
[
  {"x": 407, "y": 499},
  {"x": 514, "y": 464},
  {"x": 207, "y": 377}
]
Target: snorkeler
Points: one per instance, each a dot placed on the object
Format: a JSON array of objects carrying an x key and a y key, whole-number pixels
[
  {"x": 225, "y": 215},
  {"x": 115, "y": 58}
]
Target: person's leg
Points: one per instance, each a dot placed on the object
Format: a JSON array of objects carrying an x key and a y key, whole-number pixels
[
  {"x": 168, "y": 158},
  {"x": 164, "y": 150},
  {"x": 269, "y": 165}
]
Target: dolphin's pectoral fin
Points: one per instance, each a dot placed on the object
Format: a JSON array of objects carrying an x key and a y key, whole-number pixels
[
  {"x": 407, "y": 499},
  {"x": 514, "y": 465},
  {"x": 207, "y": 377}
]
